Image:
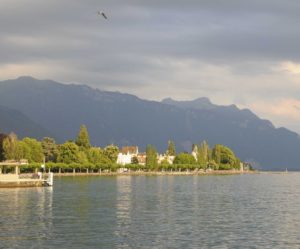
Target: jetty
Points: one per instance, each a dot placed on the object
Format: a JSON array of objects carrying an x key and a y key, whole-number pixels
[{"x": 14, "y": 179}]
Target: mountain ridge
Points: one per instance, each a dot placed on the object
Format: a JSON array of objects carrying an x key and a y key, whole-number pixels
[
  {"x": 10, "y": 120},
  {"x": 125, "y": 119}
]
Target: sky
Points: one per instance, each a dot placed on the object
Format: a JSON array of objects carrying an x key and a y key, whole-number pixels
[{"x": 231, "y": 51}]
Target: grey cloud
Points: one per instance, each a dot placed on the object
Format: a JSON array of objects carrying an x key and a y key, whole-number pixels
[
  {"x": 145, "y": 45},
  {"x": 217, "y": 31}
]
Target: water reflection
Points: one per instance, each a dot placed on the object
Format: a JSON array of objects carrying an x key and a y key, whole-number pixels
[
  {"x": 249, "y": 211},
  {"x": 26, "y": 215},
  {"x": 123, "y": 208}
]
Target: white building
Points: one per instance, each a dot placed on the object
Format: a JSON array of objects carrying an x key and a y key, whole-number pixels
[
  {"x": 126, "y": 154},
  {"x": 163, "y": 157},
  {"x": 195, "y": 151}
]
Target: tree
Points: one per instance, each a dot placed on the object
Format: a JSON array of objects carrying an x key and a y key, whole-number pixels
[
  {"x": 97, "y": 156},
  {"x": 111, "y": 151},
  {"x": 164, "y": 163},
  {"x": 151, "y": 157},
  {"x": 94, "y": 155},
  {"x": 216, "y": 154},
  {"x": 24, "y": 151},
  {"x": 83, "y": 139},
  {"x": 50, "y": 149},
  {"x": 184, "y": 158},
  {"x": 203, "y": 155},
  {"x": 10, "y": 147},
  {"x": 237, "y": 164},
  {"x": 171, "y": 151},
  {"x": 35, "y": 150},
  {"x": 68, "y": 153},
  {"x": 82, "y": 157},
  {"x": 134, "y": 160},
  {"x": 13, "y": 149},
  {"x": 224, "y": 156},
  {"x": 2, "y": 137}
]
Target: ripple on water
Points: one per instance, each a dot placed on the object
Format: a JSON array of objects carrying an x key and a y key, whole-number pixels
[{"x": 248, "y": 211}]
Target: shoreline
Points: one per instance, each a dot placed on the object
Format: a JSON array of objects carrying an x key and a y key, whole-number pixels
[{"x": 158, "y": 173}]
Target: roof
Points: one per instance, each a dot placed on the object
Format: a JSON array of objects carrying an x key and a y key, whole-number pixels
[
  {"x": 130, "y": 150},
  {"x": 14, "y": 162}
]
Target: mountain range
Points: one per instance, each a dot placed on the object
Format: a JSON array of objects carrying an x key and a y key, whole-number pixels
[{"x": 38, "y": 108}]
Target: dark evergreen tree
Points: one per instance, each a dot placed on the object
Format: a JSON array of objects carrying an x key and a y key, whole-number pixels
[
  {"x": 134, "y": 160},
  {"x": 2, "y": 137},
  {"x": 171, "y": 151},
  {"x": 83, "y": 139}
]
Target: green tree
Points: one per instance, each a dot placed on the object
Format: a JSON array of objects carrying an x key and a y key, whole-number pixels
[
  {"x": 83, "y": 139},
  {"x": 224, "y": 156},
  {"x": 164, "y": 164},
  {"x": 212, "y": 164},
  {"x": 111, "y": 151},
  {"x": 35, "y": 148},
  {"x": 68, "y": 153},
  {"x": 237, "y": 164},
  {"x": 2, "y": 137},
  {"x": 216, "y": 154},
  {"x": 203, "y": 155},
  {"x": 50, "y": 149},
  {"x": 10, "y": 147},
  {"x": 13, "y": 149},
  {"x": 24, "y": 152},
  {"x": 134, "y": 160},
  {"x": 94, "y": 155},
  {"x": 151, "y": 157},
  {"x": 184, "y": 158},
  {"x": 171, "y": 151},
  {"x": 82, "y": 157}
]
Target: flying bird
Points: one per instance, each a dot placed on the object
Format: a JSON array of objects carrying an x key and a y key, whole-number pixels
[{"x": 101, "y": 13}]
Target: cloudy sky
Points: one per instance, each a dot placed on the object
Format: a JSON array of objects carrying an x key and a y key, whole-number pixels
[{"x": 232, "y": 51}]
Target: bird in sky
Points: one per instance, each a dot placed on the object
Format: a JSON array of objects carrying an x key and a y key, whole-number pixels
[{"x": 101, "y": 13}]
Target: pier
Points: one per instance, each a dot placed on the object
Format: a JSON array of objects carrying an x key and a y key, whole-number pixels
[{"x": 14, "y": 179}]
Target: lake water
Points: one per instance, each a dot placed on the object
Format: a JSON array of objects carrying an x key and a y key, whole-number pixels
[{"x": 238, "y": 211}]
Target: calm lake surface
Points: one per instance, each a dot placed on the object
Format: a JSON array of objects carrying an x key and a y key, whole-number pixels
[{"x": 238, "y": 211}]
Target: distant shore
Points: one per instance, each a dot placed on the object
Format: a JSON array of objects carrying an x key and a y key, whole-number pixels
[{"x": 159, "y": 173}]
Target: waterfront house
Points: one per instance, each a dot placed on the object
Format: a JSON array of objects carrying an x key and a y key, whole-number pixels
[
  {"x": 142, "y": 158},
  {"x": 162, "y": 157},
  {"x": 126, "y": 154}
]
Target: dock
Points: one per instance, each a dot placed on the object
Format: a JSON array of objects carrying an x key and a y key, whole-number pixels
[
  {"x": 15, "y": 180},
  {"x": 21, "y": 183}
]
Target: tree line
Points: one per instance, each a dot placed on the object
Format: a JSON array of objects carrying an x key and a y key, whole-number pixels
[
  {"x": 219, "y": 157},
  {"x": 79, "y": 155}
]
